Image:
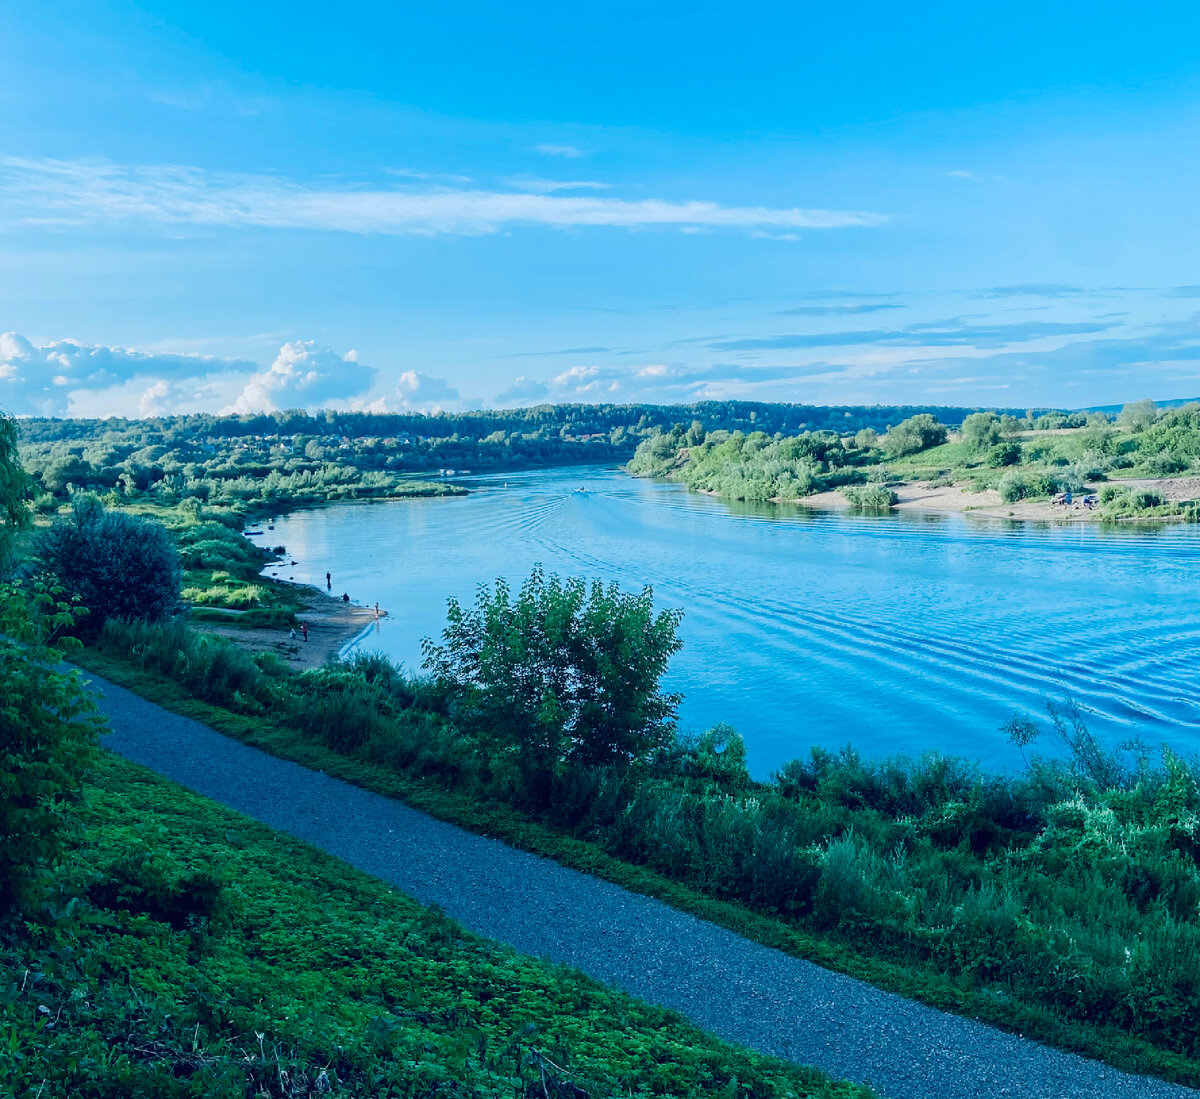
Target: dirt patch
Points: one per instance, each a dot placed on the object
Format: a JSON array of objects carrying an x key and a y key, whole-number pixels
[{"x": 332, "y": 625}]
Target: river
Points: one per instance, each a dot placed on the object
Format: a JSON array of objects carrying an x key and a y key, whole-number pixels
[{"x": 897, "y": 634}]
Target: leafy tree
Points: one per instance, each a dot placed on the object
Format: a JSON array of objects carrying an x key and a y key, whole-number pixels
[
  {"x": 117, "y": 565},
  {"x": 915, "y": 434},
  {"x": 47, "y": 721},
  {"x": 1138, "y": 415},
  {"x": 981, "y": 430},
  {"x": 48, "y": 728},
  {"x": 564, "y": 675},
  {"x": 14, "y": 488},
  {"x": 866, "y": 438}
]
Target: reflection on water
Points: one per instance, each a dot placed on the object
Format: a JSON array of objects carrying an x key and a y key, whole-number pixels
[{"x": 895, "y": 633}]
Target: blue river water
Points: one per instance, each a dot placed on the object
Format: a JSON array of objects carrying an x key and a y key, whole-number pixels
[{"x": 898, "y": 634}]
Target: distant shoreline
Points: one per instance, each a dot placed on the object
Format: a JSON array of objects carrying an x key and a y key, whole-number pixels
[{"x": 945, "y": 499}]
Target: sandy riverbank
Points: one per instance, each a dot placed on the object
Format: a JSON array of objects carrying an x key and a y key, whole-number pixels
[
  {"x": 332, "y": 625},
  {"x": 919, "y": 497}
]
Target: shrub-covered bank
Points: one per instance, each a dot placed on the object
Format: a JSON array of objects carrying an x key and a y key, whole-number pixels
[
  {"x": 1026, "y": 458},
  {"x": 1062, "y": 901},
  {"x": 206, "y": 955}
]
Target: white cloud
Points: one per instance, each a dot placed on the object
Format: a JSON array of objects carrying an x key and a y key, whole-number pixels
[
  {"x": 568, "y": 151},
  {"x": 417, "y": 392},
  {"x": 153, "y": 401},
  {"x": 44, "y": 379},
  {"x": 74, "y": 193},
  {"x": 548, "y": 186},
  {"x": 304, "y": 375}
]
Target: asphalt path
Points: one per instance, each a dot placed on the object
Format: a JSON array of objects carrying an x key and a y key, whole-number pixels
[{"x": 729, "y": 985}]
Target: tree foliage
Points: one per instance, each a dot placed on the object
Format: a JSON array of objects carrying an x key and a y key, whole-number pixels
[
  {"x": 1138, "y": 415},
  {"x": 48, "y": 727},
  {"x": 915, "y": 434},
  {"x": 119, "y": 566},
  {"x": 14, "y": 487},
  {"x": 981, "y": 430},
  {"x": 564, "y": 674}
]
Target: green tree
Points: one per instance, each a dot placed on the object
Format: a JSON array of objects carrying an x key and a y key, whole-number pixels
[
  {"x": 865, "y": 438},
  {"x": 563, "y": 675},
  {"x": 47, "y": 721},
  {"x": 1138, "y": 415},
  {"x": 117, "y": 565},
  {"x": 48, "y": 729},
  {"x": 981, "y": 430},
  {"x": 915, "y": 434},
  {"x": 14, "y": 489}
]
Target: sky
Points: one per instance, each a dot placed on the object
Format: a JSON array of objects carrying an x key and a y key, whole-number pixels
[{"x": 241, "y": 207}]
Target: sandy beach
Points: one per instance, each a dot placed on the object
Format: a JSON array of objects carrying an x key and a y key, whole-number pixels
[
  {"x": 331, "y": 623},
  {"x": 919, "y": 497}
]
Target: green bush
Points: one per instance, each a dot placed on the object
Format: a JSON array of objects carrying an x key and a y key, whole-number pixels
[
  {"x": 117, "y": 565},
  {"x": 873, "y": 497},
  {"x": 981, "y": 431},
  {"x": 915, "y": 434},
  {"x": 564, "y": 674},
  {"x": 1004, "y": 454},
  {"x": 48, "y": 728}
]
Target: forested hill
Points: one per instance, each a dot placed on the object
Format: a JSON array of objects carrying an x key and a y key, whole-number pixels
[{"x": 624, "y": 425}]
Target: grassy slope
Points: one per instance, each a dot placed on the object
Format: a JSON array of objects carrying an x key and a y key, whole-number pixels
[
  {"x": 921, "y": 982},
  {"x": 304, "y": 966}
]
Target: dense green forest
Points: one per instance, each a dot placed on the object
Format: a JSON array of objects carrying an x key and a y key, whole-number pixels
[
  {"x": 291, "y": 459},
  {"x": 1027, "y": 457}
]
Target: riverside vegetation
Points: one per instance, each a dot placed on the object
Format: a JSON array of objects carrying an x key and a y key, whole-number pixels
[
  {"x": 1028, "y": 457},
  {"x": 1063, "y": 901},
  {"x": 153, "y": 944}
]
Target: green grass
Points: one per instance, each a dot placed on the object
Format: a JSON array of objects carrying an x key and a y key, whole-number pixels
[
  {"x": 919, "y": 980},
  {"x": 220, "y": 958}
]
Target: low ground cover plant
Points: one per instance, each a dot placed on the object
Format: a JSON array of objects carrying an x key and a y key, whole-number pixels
[{"x": 204, "y": 955}]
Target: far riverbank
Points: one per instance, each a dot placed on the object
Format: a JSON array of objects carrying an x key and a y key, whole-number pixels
[{"x": 916, "y": 496}]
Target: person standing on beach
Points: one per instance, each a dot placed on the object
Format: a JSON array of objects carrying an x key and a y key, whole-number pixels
[
  {"x": 304, "y": 630},
  {"x": 328, "y": 582}
]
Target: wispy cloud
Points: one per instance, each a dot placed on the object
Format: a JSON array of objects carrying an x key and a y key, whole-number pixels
[
  {"x": 838, "y": 310},
  {"x": 946, "y": 333},
  {"x": 1031, "y": 290},
  {"x": 73, "y": 193},
  {"x": 549, "y": 186},
  {"x": 568, "y": 151},
  {"x": 560, "y": 351}
]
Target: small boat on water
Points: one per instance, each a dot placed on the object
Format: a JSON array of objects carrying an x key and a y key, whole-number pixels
[{"x": 253, "y": 533}]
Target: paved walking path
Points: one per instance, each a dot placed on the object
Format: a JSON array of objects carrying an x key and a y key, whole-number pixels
[{"x": 731, "y": 986}]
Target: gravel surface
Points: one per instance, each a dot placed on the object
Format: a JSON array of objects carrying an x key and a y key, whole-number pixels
[{"x": 733, "y": 987}]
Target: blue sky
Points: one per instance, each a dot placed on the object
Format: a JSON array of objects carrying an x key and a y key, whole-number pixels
[{"x": 219, "y": 206}]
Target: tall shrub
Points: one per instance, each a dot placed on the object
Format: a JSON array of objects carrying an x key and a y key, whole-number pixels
[
  {"x": 118, "y": 565},
  {"x": 562, "y": 674}
]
